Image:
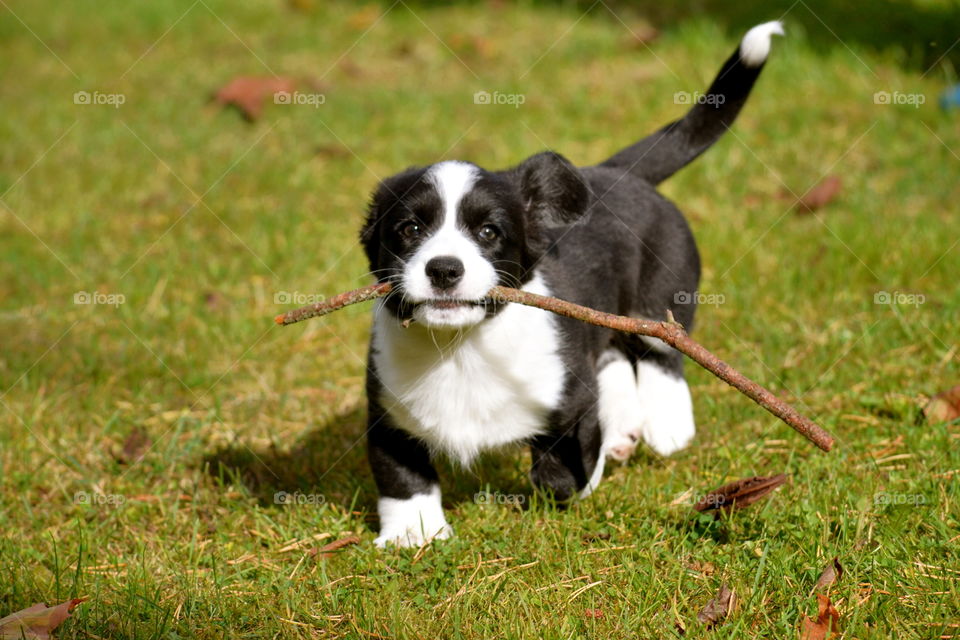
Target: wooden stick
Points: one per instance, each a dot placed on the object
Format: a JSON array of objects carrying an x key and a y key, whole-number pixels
[{"x": 670, "y": 332}]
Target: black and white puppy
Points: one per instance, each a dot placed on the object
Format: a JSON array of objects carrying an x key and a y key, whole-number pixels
[{"x": 452, "y": 372}]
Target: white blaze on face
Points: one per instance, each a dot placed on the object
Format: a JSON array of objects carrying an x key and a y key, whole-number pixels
[{"x": 452, "y": 180}]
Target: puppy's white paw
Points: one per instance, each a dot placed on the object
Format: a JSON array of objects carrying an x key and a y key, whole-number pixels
[
  {"x": 413, "y": 521},
  {"x": 621, "y": 445},
  {"x": 410, "y": 537},
  {"x": 668, "y": 424}
]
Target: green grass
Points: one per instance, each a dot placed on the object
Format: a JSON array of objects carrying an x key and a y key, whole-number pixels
[{"x": 186, "y": 543}]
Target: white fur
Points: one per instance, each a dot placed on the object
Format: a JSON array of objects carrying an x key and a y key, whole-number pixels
[
  {"x": 667, "y": 424},
  {"x": 452, "y": 180},
  {"x": 755, "y": 46},
  {"x": 412, "y": 522},
  {"x": 621, "y": 414},
  {"x": 595, "y": 477},
  {"x": 477, "y": 388}
]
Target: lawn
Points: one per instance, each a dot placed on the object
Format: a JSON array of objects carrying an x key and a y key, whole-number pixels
[{"x": 150, "y": 410}]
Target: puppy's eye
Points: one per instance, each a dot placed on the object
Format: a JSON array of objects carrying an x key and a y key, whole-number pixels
[
  {"x": 410, "y": 230},
  {"x": 488, "y": 233}
]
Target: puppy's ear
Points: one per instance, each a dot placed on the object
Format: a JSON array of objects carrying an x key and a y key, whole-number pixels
[
  {"x": 553, "y": 191},
  {"x": 370, "y": 232},
  {"x": 386, "y": 197}
]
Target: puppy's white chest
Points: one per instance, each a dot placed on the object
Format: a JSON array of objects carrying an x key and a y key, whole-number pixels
[{"x": 491, "y": 385}]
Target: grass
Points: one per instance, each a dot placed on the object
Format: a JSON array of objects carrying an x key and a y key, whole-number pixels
[{"x": 200, "y": 221}]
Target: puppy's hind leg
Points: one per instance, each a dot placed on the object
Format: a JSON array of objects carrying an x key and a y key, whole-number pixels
[{"x": 667, "y": 409}]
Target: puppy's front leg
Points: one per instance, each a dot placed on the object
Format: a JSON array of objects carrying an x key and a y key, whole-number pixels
[
  {"x": 409, "y": 505},
  {"x": 570, "y": 463}
]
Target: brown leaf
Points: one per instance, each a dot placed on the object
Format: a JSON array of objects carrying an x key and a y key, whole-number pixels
[
  {"x": 706, "y": 568},
  {"x": 328, "y": 549},
  {"x": 827, "y": 622},
  {"x": 831, "y": 573},
  {"x": 249, "y": 93},
  {"x": 364, "y": 18},
  {"x": 820, "y": 195},
  {"x": 739, "y": 494},
  {"x": 134, "y": 446},
  {"x": 718, "y": 608},
  {"x": 943, "y": 407},
  {"x": 36, "y": 622},
  {"x": 641, "y": 35}
]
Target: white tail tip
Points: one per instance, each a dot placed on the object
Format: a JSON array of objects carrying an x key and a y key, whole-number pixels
[{"x": 755, "y": 46}]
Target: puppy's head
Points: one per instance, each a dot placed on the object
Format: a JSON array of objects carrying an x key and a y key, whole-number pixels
[{"x": 444, "y": 235}]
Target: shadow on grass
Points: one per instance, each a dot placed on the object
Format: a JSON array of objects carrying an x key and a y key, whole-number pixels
[{"x": 331, "y": 460}]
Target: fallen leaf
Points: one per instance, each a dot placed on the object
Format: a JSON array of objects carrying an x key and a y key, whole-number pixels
[
  {"x": 739, "y": 494},
  {"x": 827, "y": 622},
  {"x": 705, "y": 568},
  {"x": 364, "y": 18},
  {"x": 36, "y": 622},
  {"x": 304, "y": 6},
  {"x": 214, "y": 301},
  {"x": 593, "y": 537},
  {"x": 820, "y": 195},
  {"x": 831, "y": 573},
  {"x": 327, "y": 550},
  {"x": 249, "y": 93},
  {"x": 641, "y": 35},
  {"x": 718, "y": 608},
  {"x": 134, "y": 446},
  {"x": 943, "y": 407},
  {"x": 351, "y": 68}
]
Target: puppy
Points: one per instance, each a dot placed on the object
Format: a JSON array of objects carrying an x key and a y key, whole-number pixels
[{"x": 453, "y": 372}]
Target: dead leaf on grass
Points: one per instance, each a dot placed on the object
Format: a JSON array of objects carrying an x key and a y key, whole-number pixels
[
  {"x": 250, "y": 93},
  {"x": 831, "y": 573},
  {"x": 36, "y": 622},
  {"x": 827, "y": 622},
  {"x": 739, "y": 494},
  {"x": 820, "y": 195},
  {"x": 943, "y": 407},
  {"x": 134, "y": 447},
  {"x": 718, "y": 608}
]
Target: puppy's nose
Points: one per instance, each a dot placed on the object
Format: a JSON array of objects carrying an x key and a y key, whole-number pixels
[{"x": 444, "y": 271}]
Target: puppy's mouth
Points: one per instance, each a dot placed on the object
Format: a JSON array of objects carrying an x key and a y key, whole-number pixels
[{"x": 450, "y": 304}]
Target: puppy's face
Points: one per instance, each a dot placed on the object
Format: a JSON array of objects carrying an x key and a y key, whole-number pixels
[{"x": 446, "y": 234}]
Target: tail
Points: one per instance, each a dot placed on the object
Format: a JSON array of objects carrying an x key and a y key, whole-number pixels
[{"x": 661, "y": 154}]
